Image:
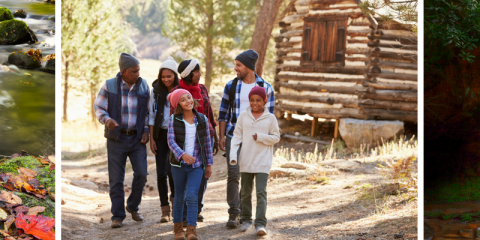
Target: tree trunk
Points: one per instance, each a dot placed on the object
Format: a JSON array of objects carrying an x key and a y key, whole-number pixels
[
  {"x": 209, "y": 47},
  {"x": 263, "y": 31},
  {"x": 65, "y": 93}
]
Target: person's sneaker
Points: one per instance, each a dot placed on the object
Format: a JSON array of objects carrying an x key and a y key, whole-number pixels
[
  {"x": 245, "y": 226},
  {"x": 233, "y": 220},
  {"x": 261, "y": 231},
  {"x": 200, "y": 218}
]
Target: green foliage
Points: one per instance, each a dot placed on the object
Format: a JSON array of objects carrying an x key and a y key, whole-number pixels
[
  {"x": 466, "y": 190},
  {"x": 432, "y": 214},
  {"x": 148, "y": 15},
  {"x": 388, "y": 11},
  {"x": 93, "y": 35},
  {"x": 208, "y": 30},
  {"x": 451, "y": 29}
]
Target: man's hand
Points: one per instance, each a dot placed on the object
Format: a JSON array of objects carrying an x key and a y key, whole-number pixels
[
  {"x": 153, "y": 146},
  {"x": 144, "y": 138},
  {"x": 188, "y": 159},
  {"x": 215, "y": 148},
  {"x": 254, "y": 137},
  {"x": 208, "y": 171},
  {"x": 222, "y": 143},
  {"x": 111, "y": 124}
]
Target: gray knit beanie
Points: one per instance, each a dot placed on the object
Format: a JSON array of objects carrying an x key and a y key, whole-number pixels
[
  {"x": 248, "y": 58},
  {"x": 127, "y": 61}
]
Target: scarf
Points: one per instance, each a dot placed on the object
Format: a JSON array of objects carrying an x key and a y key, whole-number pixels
[{"x": 194, "y": 89}]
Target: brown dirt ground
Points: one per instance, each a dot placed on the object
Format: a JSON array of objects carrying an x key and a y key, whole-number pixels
[{"x": 297, "y": 208}]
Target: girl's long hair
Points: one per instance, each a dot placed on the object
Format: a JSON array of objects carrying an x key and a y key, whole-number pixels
[{"x": 163, "y": 91}]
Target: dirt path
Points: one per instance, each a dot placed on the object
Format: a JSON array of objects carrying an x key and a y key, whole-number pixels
[{"x": 297, "y": 208}]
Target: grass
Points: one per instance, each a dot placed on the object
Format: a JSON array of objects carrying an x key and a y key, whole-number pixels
[{"x": 459, "y": 191}]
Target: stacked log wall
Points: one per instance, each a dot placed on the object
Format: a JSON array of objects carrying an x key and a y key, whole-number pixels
[
  {"x": 327, "y": 91},
  {"x": 391, "y": 75}
]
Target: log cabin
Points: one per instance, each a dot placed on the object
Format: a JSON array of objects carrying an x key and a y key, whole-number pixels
[{"x": 334, "y": 62}]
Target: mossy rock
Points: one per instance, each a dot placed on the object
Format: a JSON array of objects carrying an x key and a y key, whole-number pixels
[
  {"x": 44, "y": 176},
  {"x": 20, "y": 13},
  {"x": 22, "y": 60},
  {"x": 50, "y": 66},
  {"x": 5, "y": 14},
  {"x": 13, "y": 31}
]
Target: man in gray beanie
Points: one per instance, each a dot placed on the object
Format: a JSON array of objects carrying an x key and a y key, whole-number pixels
[
  {"x": 235, "y": 100},
  {"x": 121, "y": 105}
]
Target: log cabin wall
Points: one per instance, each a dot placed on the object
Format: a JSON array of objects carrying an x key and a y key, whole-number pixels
[{"x": 330, "y": 75}]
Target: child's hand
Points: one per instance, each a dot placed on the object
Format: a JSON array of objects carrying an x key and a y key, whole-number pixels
[
  {"x": 255, "y": 137},
  {"x": 188, "y": 159},
  {"x": 208, "y": 171}
]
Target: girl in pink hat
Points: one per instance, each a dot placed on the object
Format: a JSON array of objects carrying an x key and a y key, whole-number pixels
[{"x": 191, "y": 155}]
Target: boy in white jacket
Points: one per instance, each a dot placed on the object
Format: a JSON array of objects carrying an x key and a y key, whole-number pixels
[{"x": 257, "y": 131}]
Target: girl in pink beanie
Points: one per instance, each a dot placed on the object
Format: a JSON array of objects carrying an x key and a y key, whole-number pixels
[{"x": 191, "y": 155}]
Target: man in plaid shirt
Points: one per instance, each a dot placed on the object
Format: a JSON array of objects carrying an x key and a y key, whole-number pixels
[
  {"x": 246, "y": 79},
  {"x": 121, "y": 105}
]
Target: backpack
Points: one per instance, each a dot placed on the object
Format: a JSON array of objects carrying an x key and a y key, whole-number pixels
[{"x": 231, "y": 95}]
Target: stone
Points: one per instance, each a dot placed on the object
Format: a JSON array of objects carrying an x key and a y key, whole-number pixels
[
  {"x": 355, "y": 132},
  {"x": 20, "y": 13},
  {"x": 341, "y": 164},
  {"x": 50, "y": 65},
  {"x": 15, "y": 32},
  {"x": 25, "y": 60},
  {"x": 84, "y": 184},
  {"x": 5, "y": 14},
  {"x": 285, "y": 172},
  {"x": 297, "y": 165}
]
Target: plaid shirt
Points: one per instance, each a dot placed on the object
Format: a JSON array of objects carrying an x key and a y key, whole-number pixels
[
  {"x": 178, "y": 151},
  {"x": 226, "y": 116},
  {"x": 207, "y": 107},
  {"x": 129, "y": 107}
]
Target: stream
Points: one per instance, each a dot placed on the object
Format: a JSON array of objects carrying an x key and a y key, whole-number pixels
[{"x": 27, "y": 96}]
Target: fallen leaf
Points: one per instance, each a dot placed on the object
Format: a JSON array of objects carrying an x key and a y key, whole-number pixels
[
  {"x": 63, "y": 202},
  {"x": 6, "y": 235},
  {"x": 52, "y": 167},
  {"x": 3, "y": 214},
  {"x": 9, "y": 222},
  {"x": 35, "y": 210},
  {"x": 38, "y": 226},
  {"x": 4, "y": 177},
  {"x": 51, "y": 158},
  {"x": 34, "y": 182},
  {"x": 21, "y": 209},
  {"x": 9, "y": 197},
  {"x": 101, "y": 220},
  {"x": 26, "y": 237},
  {"x": 52, "y": 196},
  {"x": 27, "y": 172}
]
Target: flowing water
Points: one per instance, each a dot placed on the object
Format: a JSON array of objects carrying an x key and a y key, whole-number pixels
[{"x": 27, "y": 97}]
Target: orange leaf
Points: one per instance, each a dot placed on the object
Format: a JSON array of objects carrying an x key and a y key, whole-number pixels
[
  {"x": 35, "y": 210},
  {"x": 9, "y": 197},
  {"x": 27, "y": 172},
  {"x": 38, "y": 226}
]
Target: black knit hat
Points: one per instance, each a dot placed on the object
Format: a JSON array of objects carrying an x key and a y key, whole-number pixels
[
  {"x": 248, "y": 58},
  {"x": 182, "y": 66}
]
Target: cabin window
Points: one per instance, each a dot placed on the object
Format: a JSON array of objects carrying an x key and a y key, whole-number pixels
[{"x": 324, "y": 41}]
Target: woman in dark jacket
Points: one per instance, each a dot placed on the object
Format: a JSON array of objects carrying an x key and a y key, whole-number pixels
[{"x": 159, "y": 116}]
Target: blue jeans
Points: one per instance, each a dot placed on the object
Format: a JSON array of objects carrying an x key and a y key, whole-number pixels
[
  {"x": 118, "y": 151},
  {"x": 187, "y": 182},
  {"x": 163, "y": 168}
]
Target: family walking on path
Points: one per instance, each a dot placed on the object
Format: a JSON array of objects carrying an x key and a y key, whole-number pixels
[{"x": 177, "y": 118}]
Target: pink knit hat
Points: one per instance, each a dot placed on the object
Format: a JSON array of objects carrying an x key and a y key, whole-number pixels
[
  {"x": 174, "y": 97},
  {"x": 260, "y": 91}
]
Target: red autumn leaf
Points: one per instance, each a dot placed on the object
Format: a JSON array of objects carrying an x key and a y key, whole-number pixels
[
  {"x": 10, "y": 186},
  {"x": 38, "y": 226},
  {"x": 52, "y": 167}
]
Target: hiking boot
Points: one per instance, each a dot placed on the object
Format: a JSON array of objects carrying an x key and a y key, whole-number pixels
[
  {"x": 233, "y": 220},
  {"x": 135, "y": 215},
  {"x": 245, "y": 226},
  {"x": 191, "y": 232},
  {"x": 165, "y": 214},
  {"x": 178, "y": 230},
  {"x": 200, "y": 218},
  {"x": 261, "y": 231},
  {"x": 117, "y": 223}
]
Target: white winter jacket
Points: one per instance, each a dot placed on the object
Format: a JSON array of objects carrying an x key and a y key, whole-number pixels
[{"x": 255, "y": 156}]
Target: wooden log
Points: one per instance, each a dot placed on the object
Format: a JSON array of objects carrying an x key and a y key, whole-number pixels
[
  {"x": 391, "y": 37},
  {"x": 355, "y": 59},
  {"x": 359, "y": 24},
  {"x": 335, "y": 133},
  {"x": 410, "y": 57},
  {"x": 351, "y": 41},
  {"x": 391, "y": 26},
  {"x": 290, "y": 58},
  {"x": 372, "y": 20},
  {"x": 327, "y": 7},
  {"x": 314, "y": 129},
  {"x": 391, "y": 64},
  {"x": 285, "y": 78},
  {"x": 292, "y": 33},
  {"x": 291, "y": 28},
  {"x": 321, "y": 88},
  {"x": 391, "y": 96},
  {"x": 289, "y": 116},
  {"x": 292, "y": 18},
  {"x": 357, "y": 51},
  {"x": 333, "y": 69},
  {"x": 286, "y": 44},
  {"x": 330, "y": 2},
  {"x": 305, "y": 139},
  {"x": 346, "y": 102},
  {"x": 346, "y": 14},
  {"x": 390, "y": 86},
  {"x": 302, "y": 2},
  {"x": 383, "y": 114},
  {"x": 358, "y": 33},
  {"x": 285, "y": 51},
  {"x": 388, "y": 45},
  {"x": 380, "y": 104},
  {"x": 398, "y": 76},
  {"x": 324, "y": 113}
]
